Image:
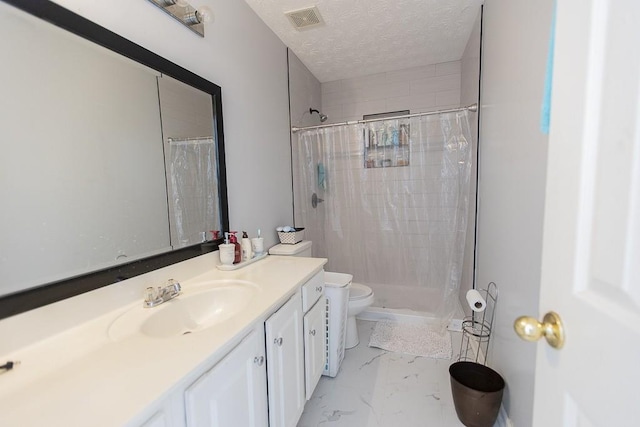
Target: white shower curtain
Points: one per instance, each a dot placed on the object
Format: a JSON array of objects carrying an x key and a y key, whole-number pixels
[
  {"x": 396, "y": 199},
  {"x": 193, "y": 186}
]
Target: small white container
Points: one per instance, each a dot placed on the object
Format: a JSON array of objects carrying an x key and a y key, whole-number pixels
[
  {"x": 227, "y": 253},
  {"x": 257, "y": 244}
]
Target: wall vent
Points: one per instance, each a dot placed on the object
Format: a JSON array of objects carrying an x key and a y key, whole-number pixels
[{"x": 305, "y": 18}]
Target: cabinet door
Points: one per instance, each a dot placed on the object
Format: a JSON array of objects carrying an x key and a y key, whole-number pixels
[
  {"x": 314, "y": 345},
  {"x": 285, "y": 359},
  {"x": 234, "y": 392}
]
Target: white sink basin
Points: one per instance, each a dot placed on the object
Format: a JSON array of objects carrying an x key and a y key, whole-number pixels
[{"x": 198, "y": 307}]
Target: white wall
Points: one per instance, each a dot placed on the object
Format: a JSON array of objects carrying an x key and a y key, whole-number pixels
[
  {"x": 304, "y": 93},
  {"x": 243, "y": 56},
  {"x": 470, "y": 94},
  {"x": 512, "y": 183},
  {"x": 418, "y": 89}
]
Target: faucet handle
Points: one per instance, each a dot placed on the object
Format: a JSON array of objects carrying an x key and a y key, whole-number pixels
[
  {"x": 173, "y": 288},
  {"x": 150, "y": 295}
]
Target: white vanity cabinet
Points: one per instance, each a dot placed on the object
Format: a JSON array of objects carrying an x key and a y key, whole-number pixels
[
  {"x": 233, "y": 392},
  {"x": 267, "y": 378},
  {"x": 289, "y": 355},
  {"x": 285, "y": 364},
  {"x": 215, "y": 376}
]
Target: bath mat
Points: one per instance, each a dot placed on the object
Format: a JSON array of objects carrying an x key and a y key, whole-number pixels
[{"x": 414, "y": 339}]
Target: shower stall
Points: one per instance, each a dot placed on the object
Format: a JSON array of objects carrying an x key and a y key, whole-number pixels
[{"x": 387, "y": 201}]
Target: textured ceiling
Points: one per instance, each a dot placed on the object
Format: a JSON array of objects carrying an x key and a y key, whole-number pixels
[{"x": 362, "y": 37}]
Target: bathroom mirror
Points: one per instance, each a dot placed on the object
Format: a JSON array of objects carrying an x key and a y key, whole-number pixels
[{"x": 85, "y": 174}]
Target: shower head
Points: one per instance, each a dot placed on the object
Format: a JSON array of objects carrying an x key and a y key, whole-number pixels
[{"x": 323, "y": 117}]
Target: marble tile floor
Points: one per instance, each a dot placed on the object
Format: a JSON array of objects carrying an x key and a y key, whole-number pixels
[{"x": 377, "y": 388}]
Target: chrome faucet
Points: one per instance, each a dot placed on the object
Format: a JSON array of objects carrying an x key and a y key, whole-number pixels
[{"x": 156, "y": 296}]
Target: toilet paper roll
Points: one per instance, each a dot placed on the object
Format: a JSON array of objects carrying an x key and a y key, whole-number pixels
[{"x": 475, "y": 301}]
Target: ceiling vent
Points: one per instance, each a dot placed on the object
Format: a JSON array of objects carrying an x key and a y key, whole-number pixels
[{"x": 305, "y": 18}]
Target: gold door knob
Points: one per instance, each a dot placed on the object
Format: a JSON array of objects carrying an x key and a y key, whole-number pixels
[{"x": 529, "y": 329}]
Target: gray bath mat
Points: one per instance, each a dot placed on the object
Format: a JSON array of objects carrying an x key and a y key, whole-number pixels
[{"x": 414, "y": 339}]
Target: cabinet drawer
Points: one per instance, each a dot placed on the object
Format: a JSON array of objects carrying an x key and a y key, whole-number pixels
[{"x": 312, "y": 290}]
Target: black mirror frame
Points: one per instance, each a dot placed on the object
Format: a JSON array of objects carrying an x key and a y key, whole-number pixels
[{"x": 49, "y": 293}]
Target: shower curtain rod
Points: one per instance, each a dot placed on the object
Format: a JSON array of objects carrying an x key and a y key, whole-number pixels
[{"x": 472, "y": 108}]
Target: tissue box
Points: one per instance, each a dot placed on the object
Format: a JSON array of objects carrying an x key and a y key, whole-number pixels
[{"x": 291, "y": 237}]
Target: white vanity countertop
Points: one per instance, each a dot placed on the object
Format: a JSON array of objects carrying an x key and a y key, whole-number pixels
[{"x": 73, "y": 374}]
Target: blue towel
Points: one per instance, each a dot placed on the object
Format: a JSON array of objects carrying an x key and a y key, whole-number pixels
[
  {"x": 545, "y": 117},
  {"x": 322, "y": 181}
]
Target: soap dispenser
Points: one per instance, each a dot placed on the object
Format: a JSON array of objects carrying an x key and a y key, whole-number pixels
[
  {"x": 233, "y": 239},
  {"x": 226, "y": 251},
  {"x": 247, "y": 253}
]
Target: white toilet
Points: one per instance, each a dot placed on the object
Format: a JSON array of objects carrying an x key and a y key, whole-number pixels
[{"x": 360, "y": 297}]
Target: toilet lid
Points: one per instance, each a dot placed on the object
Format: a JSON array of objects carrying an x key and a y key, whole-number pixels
[{"x": 359, "y": 291}]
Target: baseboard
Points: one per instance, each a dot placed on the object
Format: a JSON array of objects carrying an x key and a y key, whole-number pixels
[
  {"x": 374, "y": 314},
  {"x": 503, "y": 419},
  {"x": 455, "y": 325}
]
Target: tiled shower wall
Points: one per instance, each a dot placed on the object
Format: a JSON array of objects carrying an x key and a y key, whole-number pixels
[
  {"x": 418, "y": 89},
  {"x": 392, "y": 228}
]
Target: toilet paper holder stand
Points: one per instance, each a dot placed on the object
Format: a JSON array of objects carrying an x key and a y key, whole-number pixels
[{"x": 476, "y": 329}]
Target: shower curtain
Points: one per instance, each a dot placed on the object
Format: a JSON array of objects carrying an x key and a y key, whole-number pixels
[
  {"x": 395, "y": 204},
  {"x": 192, "y": 184}
]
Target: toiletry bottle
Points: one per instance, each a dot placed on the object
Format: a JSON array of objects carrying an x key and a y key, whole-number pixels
[
  {"x": 247, "y": 253},
  {"x": 238, "y": 251},
  {"x": 226, "y": 251}
]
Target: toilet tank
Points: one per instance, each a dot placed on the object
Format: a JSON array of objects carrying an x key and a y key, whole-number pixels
[{"x": 299, "y": 249}]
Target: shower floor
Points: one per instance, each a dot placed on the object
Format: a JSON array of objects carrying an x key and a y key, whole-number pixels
[{"x": 378, "y": 388}]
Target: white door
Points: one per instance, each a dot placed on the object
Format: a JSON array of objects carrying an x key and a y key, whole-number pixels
[{"x": 591, "y": 249}]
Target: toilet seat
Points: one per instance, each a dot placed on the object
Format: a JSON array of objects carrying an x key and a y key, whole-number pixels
[{"x": 359, "y": 291}]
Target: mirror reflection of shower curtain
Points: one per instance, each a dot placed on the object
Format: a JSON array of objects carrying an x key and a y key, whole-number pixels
[
  {"x": 399, "y": 229},
  {"x": 192, "y": 188}
]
